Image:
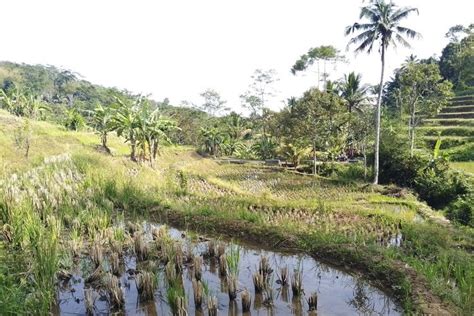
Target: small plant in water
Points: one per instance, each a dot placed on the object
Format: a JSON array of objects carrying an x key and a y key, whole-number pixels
[
  {"x": 198, "y": 291},
  {"x": 89, "y": 301},
  {"x": 246, "y": 301},
  {"x": 115, "y": 263},
  {"x": 176, "y": 299},
  {"x": 220, "y": 249},
  {"x": 283, "y": 276},
  {"x": 258, "y": 282},
  {"x": 264, "y": 267},
  {"x": 296, "y": 284},
  {"x": 114, "y": 291},
  {"x": 223, "y": 265},
  {"x": 313, "y": 302},
  {"x": 145, "y": 285},
  {"x": 233, "y": 259},
  {"x": 198, "y": 267},
  {"x": 97, "y": 254},
  {"x": 141, "y": 247},
  {"x": 232, "y": 287},
  {"x": 212, "y": 306},
  {"x": 211, "y": 248}
]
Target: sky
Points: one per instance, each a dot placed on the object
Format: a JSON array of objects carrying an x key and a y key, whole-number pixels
[{"x": 177, "y": 49}]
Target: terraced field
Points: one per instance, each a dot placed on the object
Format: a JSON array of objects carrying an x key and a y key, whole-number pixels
[{"x": 455, "y": 124}]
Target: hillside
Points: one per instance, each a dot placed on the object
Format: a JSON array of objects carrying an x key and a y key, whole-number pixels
[
  {"x": 455, "y": 125},
  {"x": 287, "y": 210}
]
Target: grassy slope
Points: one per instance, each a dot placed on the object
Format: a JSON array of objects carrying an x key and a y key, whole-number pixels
[{"x": 338, "y": 222}]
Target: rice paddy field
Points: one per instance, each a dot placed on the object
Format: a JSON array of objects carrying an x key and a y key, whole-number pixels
[{"x": 84, "y": 232}]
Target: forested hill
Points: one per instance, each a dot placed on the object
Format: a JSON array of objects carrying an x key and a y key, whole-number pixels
[{"x": 69, "y": 97}]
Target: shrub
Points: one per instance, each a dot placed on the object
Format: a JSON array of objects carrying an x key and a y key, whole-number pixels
[
  {"x": 462, "y": 210},
  {"x": 438, "y": 185}
]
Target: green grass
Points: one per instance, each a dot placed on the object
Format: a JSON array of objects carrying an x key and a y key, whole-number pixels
[
  {"x": 338, "y": 221},
  {"x": 467, "y": 166}
]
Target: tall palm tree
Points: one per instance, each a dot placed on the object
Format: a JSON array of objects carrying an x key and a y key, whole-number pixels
[
  {"x": 382, "y": 29},
  {"x": 352, "y": 90}
]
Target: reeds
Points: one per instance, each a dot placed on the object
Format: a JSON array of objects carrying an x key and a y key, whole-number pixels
[
  {"x": 145, "y": 285},
  {"x": 246, "y": 301}
]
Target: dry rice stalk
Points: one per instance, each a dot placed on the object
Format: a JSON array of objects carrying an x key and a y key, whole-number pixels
[
  {"x": 198, "y": 267},
  {"x": 223, "y": 265},
  {"x": 211, "y": 248},
  {"x": 115, "y": 292},
  {"x": 96, "y": 254},
  {"x": 95, "y": 276},
  {"x": 258, "y": 282},
  {"x": 145, "y": 285},
  {"x": 246, "y": 301},
  {"x": 115, "y": 263},
  {"x": 232, "y": 287},
  {"x": 283, "y": 276},
  {"x": 141, "y": 247},
  {"x": 89, "y": 301},
  {"x": 296, "y": 284},
  {"x": 198, "y": 293},
  {"x": 313, "y": 302},
  {"x": 264, "y": 267},
  {"x": 212, "y": 306},
  {"x": 220, "y": 249}
]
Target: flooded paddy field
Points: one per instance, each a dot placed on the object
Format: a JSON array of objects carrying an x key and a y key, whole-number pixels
[{"x": 151, "y": 269}]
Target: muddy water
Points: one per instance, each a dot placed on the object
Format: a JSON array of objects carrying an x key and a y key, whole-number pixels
[{"x": 339, "y": 293}]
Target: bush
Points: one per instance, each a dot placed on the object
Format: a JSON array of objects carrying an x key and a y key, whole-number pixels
[
  {"x": 462, "y": 210},
  {"x": 430, "y": 178},
  {"x": 438, "y": 185}
]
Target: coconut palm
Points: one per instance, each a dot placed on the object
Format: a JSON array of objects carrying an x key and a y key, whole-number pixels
[
  {"x": 352, "y": 91},
  {"x": 383, "y": 30}
]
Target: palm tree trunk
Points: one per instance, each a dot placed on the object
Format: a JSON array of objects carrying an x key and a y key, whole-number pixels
[
  {"x": 377, "y": 119},
  {"x": 412, "y": 129},
  {"x": 314, "y": 156}
]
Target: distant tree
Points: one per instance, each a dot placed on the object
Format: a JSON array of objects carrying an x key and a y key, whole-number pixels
[
  {"x": 259, "y": 90},
  {"x": 213, "y": 103},
  {"x": 383, "y": 29},
  {"x": 322, "y": 54},
  {"x": 318, "y": 119},
  {"x": 423, "y": 91},
  {"x": 352, "y": 91},
  {"x": 457, "y": 59}
]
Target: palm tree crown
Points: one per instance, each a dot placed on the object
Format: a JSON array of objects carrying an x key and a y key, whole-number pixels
[{"x": 383, "y": 26}]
